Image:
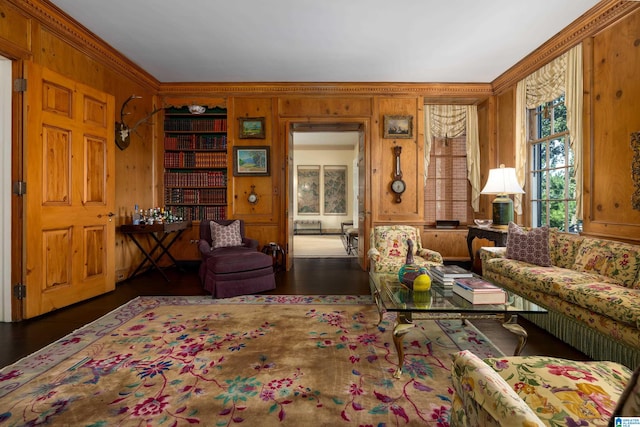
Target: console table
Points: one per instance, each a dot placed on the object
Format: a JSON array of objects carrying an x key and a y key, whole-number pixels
[
  {"x": 496, "y": 235},
  {"x": 159, "y": 233}
]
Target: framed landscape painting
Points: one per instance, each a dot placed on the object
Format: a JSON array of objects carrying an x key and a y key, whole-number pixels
[
  {"x": 308, "y": 190},
  {"x": 335, "y": 190},
  {"x": 251, "y": 127},
  {"x": 251, "y": 161}
]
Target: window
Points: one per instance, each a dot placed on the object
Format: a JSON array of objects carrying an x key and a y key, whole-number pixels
[
  {"x": 552, "y": 185},
  {"x": 447, "y": 194}
]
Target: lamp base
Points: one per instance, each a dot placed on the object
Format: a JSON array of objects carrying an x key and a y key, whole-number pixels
[{"x": 502, "y": 211}]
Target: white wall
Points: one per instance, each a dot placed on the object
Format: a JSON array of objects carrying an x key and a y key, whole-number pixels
[
  {"x": 5, "y": 190},
  {"x": 330, "y": 156}
]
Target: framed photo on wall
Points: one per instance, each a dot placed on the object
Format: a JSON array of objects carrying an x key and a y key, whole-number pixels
[
  {"x": 251, "y": 161},
  {"x": 308, "y": 190},
  {"x": 251, "y": 127},
  {"x": 335, "y": 190},
  {"x": 398, "y": 127}
]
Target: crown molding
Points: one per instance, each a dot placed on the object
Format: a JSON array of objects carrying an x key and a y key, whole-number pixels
[
  {"x": 59, "y": 23},
  {"x": 450, "y": 90},
  {"x": 593, "y": 21}
]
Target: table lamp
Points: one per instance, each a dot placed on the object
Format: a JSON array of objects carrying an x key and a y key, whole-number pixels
[{"x": 502, "y": 182}]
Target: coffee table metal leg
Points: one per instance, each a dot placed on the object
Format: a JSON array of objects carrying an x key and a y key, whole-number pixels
[
  {"x": 376, "y": 299},
  {"x": 511, "y": 325},
  {"x": 402, "y": 326}
]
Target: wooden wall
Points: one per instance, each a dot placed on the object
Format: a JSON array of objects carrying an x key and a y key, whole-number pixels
[
  {"x": 36, "y": 31},
  {"x": 611, "y": 105}
]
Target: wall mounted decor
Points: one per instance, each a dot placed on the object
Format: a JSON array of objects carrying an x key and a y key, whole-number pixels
[
  {"x": 308, "y": 190},
  {"x": 123, "y": 130},
  {"x": 635, "y": 170},
  {"x": 398, "y": 127},
  {"x": 251, "y": 127},
  {"x": 335, "y": 190},
  {"x": 251, "y": 161}
]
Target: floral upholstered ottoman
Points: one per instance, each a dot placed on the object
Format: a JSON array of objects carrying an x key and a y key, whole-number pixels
[{"x": 540, "y": 391}]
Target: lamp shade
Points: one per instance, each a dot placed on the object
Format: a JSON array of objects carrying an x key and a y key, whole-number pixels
[{"x": 502, "y": 181}]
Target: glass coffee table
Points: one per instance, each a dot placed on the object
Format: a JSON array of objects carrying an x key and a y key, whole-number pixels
[{"x": 441, "y": 303}]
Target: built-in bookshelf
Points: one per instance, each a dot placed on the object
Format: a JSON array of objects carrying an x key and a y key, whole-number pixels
[{"x": 195, "y": 163}]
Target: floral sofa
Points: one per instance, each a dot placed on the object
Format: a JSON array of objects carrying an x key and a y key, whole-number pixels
[
  {"x": 540, "y": 391},
  {"x": 591, "y": 289}
]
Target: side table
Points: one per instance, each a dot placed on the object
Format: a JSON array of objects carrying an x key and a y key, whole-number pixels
[
  {"x": 155, "y": 230},
  {"x": 496, "y": 235},
  {"x": 276, "y": 252}
]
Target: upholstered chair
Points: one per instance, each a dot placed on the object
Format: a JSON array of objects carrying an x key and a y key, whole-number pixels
[
  {"x": 231, "y": 263},
  {"x": 388, "y": 248}
]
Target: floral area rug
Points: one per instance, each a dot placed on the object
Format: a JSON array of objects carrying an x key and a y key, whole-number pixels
[{"x": 253, "y": 360}]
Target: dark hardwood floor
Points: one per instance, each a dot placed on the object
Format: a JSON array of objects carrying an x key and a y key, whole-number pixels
[{"x": 330, "y": 276}]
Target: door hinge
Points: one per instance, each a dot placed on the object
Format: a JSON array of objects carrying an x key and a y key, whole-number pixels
[
  {"x": 20, "y": 188},
  {"x": 20, "y": 85},
  {"x": 20, "y": 291}
]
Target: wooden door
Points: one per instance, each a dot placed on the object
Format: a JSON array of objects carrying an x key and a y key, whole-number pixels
[{"x": 69, "y": 164}]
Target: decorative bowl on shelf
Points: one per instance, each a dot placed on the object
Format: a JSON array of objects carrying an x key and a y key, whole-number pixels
[{"x": 483, "y": 223}]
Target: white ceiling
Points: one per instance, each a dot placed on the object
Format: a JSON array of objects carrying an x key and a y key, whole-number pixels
[{"x": 422, "y": 41}]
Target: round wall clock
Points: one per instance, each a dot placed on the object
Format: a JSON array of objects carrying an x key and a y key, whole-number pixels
[
  {"x": 398, "y": 186},
  {"x": 252, "y": 197}
]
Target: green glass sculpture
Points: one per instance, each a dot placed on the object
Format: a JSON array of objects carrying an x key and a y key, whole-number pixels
[{"x": 410, "y": 270}]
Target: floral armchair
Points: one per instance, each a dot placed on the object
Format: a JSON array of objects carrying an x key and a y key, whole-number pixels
[
  {"x": 541, "y": 391},
  {"x": 388, "y": 249}
]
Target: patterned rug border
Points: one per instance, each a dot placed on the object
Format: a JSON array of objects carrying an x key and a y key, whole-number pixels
[{"x": 49, "y": 356}]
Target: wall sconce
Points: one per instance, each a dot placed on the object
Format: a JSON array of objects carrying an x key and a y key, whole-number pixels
[
  {"x": 196, "y": 109},
  {"x": 123, "y": 130},
  {"x": 502, "y": 182}
]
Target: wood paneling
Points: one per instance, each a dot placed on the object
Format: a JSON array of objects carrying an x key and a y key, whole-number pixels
[
  {"x": 15, "y": 30},
  {"x": 383, "y": 165},
  {"x": 612, "y": 64},
  {"x": 452, "y": 244},
  {"x": 266, "y": 210},
  {"x": 40, "y": 31},
  {"x": 322, "y": 107}
]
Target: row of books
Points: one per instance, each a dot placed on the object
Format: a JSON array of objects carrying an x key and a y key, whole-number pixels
[
  {"x": 191, "y": 159},
  {"x": 195, "y": 179},
  {"x": 479, "y": 291},
  {"x": 197, "y": 125},
  {"x": 195, "y": 142},
  {"x": 198, "y": 213},
  {"x": 446, "y": 274},
  {"x": 195, "y": 196}
]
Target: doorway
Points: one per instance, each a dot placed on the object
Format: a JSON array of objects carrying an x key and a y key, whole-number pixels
[
  {"x": 351, "y": 168},
  {"x": 324, "y": 192}
]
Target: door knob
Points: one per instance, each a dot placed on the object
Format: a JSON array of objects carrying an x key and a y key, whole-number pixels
[{"x": 110, "y": 215}]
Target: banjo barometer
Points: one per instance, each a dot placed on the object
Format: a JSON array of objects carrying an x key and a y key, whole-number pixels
[{"x": 397, "y": 185}]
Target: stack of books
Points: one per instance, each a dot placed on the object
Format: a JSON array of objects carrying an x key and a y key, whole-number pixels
[
  {"x": 447, "y": 274},
  {"x": 478, "y": 291}
]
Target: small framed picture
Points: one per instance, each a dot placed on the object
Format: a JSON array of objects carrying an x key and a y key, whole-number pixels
[
  {"x": 251, "y": 127},
  {"x": 398, "y": 127},
  {"x": 251, "y": 161}
]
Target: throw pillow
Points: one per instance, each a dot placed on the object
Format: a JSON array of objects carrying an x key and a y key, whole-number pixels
[
  {"x": 530, "y": 246},
  {"x": 616, "y": 260},
  {"x": 629, "y": 403},
  {"x": 223, "y": 236}
]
